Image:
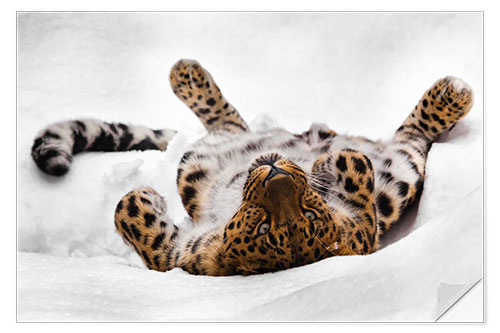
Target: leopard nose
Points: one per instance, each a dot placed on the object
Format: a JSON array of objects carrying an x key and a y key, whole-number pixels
[{"x": 274, "y": 172}]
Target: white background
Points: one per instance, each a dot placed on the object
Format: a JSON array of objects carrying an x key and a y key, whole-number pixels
[{"x": 238, "y": 105}]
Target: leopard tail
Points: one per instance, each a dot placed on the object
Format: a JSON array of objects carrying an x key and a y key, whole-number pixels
[{"x": 54, "y": 146}]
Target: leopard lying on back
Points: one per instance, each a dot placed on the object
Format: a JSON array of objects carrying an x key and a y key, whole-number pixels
[
  {"x": 263, "y": 201},
  {"x": 226, "y": 163}
]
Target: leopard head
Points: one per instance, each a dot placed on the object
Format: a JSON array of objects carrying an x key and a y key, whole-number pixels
[{"x": 281, "y": 223}]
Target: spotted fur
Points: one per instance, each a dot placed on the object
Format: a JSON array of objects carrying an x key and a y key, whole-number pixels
[
  {"x": 55, "y": 146},
  {"x": 272, "y": 200},
  {"x": 193, "y": 85}
]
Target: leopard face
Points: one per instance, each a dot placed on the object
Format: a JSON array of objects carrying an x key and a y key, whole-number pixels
[{"x": 281, "y": 223}]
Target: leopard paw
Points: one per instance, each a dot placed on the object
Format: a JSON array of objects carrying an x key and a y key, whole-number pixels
[
  {"x": 449, "y": 100},
  {"x": 141, "y": 220}
]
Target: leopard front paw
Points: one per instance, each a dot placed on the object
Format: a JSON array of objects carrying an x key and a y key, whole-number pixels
[{"x": 141, "y": 220}]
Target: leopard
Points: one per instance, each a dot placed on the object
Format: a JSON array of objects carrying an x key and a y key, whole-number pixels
[{"x": 263, "y": 201}]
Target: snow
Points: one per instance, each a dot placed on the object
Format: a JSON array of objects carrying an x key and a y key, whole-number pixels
[{"x": 359, "y": 73}]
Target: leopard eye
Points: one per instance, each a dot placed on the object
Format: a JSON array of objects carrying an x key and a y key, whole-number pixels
[
  {"x": 264, "y": 228},
  {"x": 310, "y": 215}
]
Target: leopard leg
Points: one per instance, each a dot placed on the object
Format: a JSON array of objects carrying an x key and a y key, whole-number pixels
[
  {"x": 141, "y": 220},
  {"x": 439, "y": 109},
  {"x": 401, "y": 178},
  {"x": 346, "y": 178},
  {"x": 196, "y": 88},
  {"x": 192, "y": 179}
]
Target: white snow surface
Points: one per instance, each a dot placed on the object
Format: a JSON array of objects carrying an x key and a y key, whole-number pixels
[{"x": 359, "y": 73}]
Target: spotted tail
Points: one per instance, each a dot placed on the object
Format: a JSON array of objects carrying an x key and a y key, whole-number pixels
[{"x": 55, "y": 146}]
